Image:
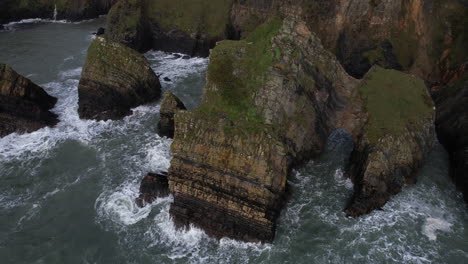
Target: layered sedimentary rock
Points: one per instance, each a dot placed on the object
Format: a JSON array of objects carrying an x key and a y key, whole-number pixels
[
  {"x": 452, "y": 127},
  {"x": 24, "y": 106},
  {"x": 13, "y": 10},
  {"x": 270, "y": 102},
  {"x": 170, "y": 105},
  {"x": 115, "y": 79},
  {"x": 397, "y": 137}
]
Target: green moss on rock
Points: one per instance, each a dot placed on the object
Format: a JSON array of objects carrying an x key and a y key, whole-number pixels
[
  {"x": 394, "y": 101},
  {"x": 191, "y": 16},
  {"x": 237, "y": 69}
]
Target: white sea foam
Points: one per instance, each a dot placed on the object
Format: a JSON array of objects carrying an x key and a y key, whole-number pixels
[
  {"x": 433, "y": 225},
  {"x": 174, "y": 68}
]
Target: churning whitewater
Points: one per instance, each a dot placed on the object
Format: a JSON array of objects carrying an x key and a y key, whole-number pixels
[{"x": 67, "y": 193}]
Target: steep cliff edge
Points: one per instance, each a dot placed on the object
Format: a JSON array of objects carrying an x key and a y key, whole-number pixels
[
  {"x": 395, "y": 141},
  {"x": 24, "y": 106},
  {"x": 13, "y": 10},
  {"x": 115, "y": 78}
]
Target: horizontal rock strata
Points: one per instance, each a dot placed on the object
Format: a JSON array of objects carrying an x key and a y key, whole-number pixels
[{"x": 24, "y": 106}]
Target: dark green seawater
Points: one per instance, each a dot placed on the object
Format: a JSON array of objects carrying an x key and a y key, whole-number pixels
[{"x": 67, "y": 193}]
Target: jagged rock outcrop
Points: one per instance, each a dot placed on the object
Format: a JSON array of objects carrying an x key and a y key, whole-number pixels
[
  {"x": 169, "y": 107},
  {"x": 24, "y": 106},
  {"x": 115, "y": 79},
  {"x": 452, "y": 127},
  {"x": 153, "y": 186},
  {"x": 270, "y": 102},
  {"x": 395, "y": 141},
  {"x": 13, "y": 10}
]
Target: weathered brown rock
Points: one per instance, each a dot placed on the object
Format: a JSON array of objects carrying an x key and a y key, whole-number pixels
[
  {"x": 115, "y": 79},
  {"x": 395, "y": 141},
  {"x": 24, "y": 106},
  {"x": 269, "y": 103},
  {"x": 169, "y": 107},
  {"x": 153, "y": 185}
]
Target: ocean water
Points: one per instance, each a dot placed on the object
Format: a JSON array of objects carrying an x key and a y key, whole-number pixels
[{"x": 67, "y": 193}]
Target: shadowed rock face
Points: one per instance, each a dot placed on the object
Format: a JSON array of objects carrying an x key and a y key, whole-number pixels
[
  {"x": 153, "y": 186},
  {"x": 24, "y": 106},
  {"x": 115, "y": 79},
  {"x": 452, "y": 128},
  {"x": 169, "y": 107}
]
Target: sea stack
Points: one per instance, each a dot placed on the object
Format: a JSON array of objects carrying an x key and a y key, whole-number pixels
[
  {"x": 115, "y": 78},
  {"x": 24, "y": 106}
]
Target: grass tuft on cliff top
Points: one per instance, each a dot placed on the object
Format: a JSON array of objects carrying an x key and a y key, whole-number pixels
[
  {"x": 237, "y": 69},
  {"x": 395, "y": 101}
]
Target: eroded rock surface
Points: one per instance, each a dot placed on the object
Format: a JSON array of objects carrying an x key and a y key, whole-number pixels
[
  {"x": 395, "y": 141},
  {"x": 169, "y": 107},
  {"x": 153, "y": 186},
  {"x": 270, "y": 102},
  {"x": 24, "y": 106},
  {"x": 115, "y": 79}
]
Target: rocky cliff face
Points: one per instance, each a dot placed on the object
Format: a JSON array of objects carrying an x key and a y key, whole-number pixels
[
  {"x": 270, "y": 102},
  {"x": 397, "y": 137},
  {"x": 191, "y": 27},
  {"x": 115, "y": 79},
  {"x": 24, "y": 106},
  {"x": 452, "y": 128},
  {"x": 13, "y": 10},
  {"x": 170, "y": 105}
]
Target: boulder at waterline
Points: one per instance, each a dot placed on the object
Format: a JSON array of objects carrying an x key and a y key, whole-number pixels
[
  {"x": 115, "y": 78},
  {"x": 396, "y": 139},
  {"x": 153, "y": 185},
  {"x": 169, "y": 107},
  {"x": 24, "y": 106}
]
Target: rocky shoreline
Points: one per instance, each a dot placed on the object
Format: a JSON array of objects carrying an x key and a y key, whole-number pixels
[{"x": 282, "y": 76}]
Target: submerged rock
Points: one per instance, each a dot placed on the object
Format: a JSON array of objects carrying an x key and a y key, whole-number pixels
[
  {"x": 169, "y": 107},
  {"x": 452, "y": 127},
  {"x": 153, "y": 185},
  {"x": 115, "y": 79},
  {"x": 396, "y": 139},
  {"x": 24, "y": 106}
]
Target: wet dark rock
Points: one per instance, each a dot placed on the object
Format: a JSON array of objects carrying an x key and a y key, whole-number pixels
[
  {"x": 153, "y": 185},
  {"x": 186, "y": 57},
  {"x": 169, "y": 107},
  {"x": 24, "y": 106},
  {"x": 115, "y": 78},
  {"x": 100, "y": 31},
  {"x": 177, "y": 56},
  {"x": 167, "y": 79}
]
